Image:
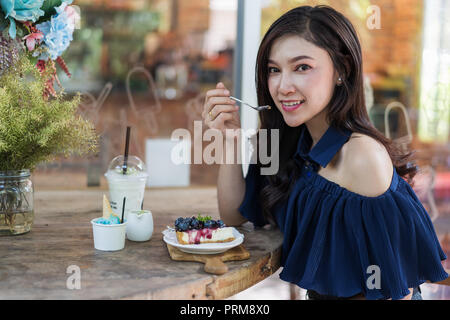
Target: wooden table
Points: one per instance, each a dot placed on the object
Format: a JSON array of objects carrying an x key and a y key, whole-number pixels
[{"x": 37, "y": 265}]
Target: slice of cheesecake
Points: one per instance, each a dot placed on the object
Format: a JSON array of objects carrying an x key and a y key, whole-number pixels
[
  {"x": 205, "y": 235},
  {"x": 202, "y": 230}
]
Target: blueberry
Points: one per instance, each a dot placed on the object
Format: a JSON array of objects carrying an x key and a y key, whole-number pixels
[
  {"x": 194, "y": 224},
  {"x": 208, "y": 224},
  {"x": 183, "y": 226},
  {"x": 214, "y": 224},
  {"x": 178, "y": 221},
  {"x": 220, "y": 223}
]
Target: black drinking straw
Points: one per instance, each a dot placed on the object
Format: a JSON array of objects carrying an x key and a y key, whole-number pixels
[
  {"x": 123, "y": 207},
  {"x": 125, "y": 159}
]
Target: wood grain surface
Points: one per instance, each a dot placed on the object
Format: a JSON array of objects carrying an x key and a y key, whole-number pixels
[
  {"x": 214, "y": 263},
  {"x": 40, "y": 264}
]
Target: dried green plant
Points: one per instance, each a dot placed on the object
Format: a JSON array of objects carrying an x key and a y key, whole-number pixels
[{"x": 34, "y": 129}]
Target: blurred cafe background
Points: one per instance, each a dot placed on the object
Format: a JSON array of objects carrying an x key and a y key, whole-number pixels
[{"x": 148, "y": 64}]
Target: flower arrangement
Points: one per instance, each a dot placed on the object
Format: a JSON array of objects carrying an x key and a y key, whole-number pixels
[
  {"x": 36, "y": 122},
  {"x": 43, "y": 28},
  {"x": 33, "y": 129}
]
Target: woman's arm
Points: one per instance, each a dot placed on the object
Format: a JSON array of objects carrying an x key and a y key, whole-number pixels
[
  {"x": 221, "y": 113},
  {"x": 231, "y": 187}
]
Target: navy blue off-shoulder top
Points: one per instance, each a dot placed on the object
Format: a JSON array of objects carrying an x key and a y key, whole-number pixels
[{"x": 336, "y": 242}]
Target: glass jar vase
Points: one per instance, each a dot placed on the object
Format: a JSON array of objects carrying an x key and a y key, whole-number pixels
[{"x": 16, "y": 202}]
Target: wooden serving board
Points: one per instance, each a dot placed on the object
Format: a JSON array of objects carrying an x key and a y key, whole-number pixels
[{"x": 214, "y": 263}]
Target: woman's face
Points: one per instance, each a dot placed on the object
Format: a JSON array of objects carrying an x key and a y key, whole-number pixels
[{"x": 301, "y": 79}]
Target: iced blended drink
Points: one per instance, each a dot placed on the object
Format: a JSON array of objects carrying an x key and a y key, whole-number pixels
[{"x": 130, "y": 185}]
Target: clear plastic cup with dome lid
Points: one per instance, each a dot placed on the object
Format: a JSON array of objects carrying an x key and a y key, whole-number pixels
[{"x": 127, "y": 177}]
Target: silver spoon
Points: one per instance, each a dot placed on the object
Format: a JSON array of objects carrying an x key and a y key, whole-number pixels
[{"x": 259, "y": 108}]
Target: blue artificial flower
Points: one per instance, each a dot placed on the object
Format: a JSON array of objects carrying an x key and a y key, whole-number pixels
[
  {"x": 58, "y": 33},
  {"x": 21, "y": 10}
]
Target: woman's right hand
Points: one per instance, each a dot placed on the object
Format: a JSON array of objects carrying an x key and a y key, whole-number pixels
[{"x": 219, "y": 111}]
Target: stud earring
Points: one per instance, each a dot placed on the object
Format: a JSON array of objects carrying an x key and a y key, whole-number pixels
[{"x": 339, "y": 82}]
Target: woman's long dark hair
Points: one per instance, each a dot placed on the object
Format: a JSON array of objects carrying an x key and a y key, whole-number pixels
[{"x": 330, "y": 30}]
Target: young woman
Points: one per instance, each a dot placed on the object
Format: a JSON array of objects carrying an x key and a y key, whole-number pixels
[{"x": 352, "y": 225}]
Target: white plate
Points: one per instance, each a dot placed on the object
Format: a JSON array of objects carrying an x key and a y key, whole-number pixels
[{"x": 170, "y": 237}]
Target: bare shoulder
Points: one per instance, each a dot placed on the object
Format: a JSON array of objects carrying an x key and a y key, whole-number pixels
[{"x": 366, "y": 166}]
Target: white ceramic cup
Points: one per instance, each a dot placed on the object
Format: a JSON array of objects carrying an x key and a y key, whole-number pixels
[
  {"x": 140, "y": 225},
  {"x": 109, "y": 237}
]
